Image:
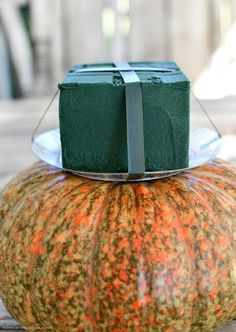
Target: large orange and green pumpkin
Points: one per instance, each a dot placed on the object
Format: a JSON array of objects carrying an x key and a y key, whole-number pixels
[{"x": 83, "y": 255}]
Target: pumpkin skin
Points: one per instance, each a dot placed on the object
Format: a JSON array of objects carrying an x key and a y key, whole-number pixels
[{"x": 85, "y": 255}]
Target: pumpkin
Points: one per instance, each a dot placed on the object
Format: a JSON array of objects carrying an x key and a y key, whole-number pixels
[{"x": 85, "y": 255}]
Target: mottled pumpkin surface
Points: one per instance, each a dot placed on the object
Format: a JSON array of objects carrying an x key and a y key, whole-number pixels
[{"x": 84, "y": 255}]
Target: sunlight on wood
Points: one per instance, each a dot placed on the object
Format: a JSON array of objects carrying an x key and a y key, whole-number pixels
[{"x": 219, "y": 79}]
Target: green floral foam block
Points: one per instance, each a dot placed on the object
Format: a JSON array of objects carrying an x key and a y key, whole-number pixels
[{"x": 92, "y": 117}]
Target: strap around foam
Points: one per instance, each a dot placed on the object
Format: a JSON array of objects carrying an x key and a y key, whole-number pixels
[{"x": 134, "y": 120}]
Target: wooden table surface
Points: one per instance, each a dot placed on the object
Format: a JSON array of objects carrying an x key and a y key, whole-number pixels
[{"x": 19, "y": 118}]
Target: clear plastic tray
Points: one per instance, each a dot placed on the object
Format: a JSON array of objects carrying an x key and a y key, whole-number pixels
[{"x": 205, "y": 144}]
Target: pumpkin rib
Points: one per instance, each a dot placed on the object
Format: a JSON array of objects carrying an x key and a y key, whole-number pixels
[
  {"x": 31, "y": 199},
  {"x": 182, "y": 239},
  {"x": 199, "y": 196},
  {"x": 97, "y": 224},
  {"x": 205, "y": 184},
  {"x": 23, "y": 190},
  {"x": 192, "y": 267},
  {"x": 81, "y": 208},
  {"x": 213, "y": 186},
  {"x": 173, "y": 200},
  {"x": 29, "y": 194},
  {"x": 164, "y": 196}
]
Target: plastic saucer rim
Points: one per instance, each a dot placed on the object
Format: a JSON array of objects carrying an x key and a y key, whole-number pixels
[{"x": 47, "y": 147}]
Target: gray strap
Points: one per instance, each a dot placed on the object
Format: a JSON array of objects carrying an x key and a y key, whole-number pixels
[
  {"x": 134, "y": 120},
  {"x": 119, "y": 67}
]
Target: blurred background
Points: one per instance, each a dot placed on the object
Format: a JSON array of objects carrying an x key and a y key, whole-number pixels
[{"x": 40, "y": 40}]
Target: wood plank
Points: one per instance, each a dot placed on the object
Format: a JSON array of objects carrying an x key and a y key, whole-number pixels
[
  {"x": 5, "y": 76},
  {"x": 41, "y": 35},
  {"x": 19, "y": 45},
  {"x": 58, "y": 72},
  {"x": 82, "y": 45},
  {"x": 189, "y": 27},
  {"x": 17, "y": 122},
  {"x": 147, "y": 39}
]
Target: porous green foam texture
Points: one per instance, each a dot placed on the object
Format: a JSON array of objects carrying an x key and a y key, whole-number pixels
[{"x": 92, "y": 115}]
